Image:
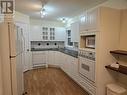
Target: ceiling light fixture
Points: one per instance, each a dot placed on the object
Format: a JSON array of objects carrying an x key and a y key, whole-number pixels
[
  {"x": 64, "y": 20},
  {"x": 43, "y": 13}
]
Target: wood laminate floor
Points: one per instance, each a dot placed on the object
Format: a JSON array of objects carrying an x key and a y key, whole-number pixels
[{"x": 50, "y": 81}]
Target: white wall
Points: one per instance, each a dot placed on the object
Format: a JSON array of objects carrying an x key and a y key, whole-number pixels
[{"x": 20, "y": 17}]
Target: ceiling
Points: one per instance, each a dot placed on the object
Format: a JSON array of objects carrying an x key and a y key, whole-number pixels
[{"x": 55, "y": 9}]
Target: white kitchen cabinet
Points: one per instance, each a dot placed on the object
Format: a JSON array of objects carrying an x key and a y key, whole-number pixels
[
  {"x": 74, "y": 69},
  {"x": 60, "y": 34},
  {"x": 57, "y": 58},
  {"x": 35, "y": 33},
  {"x": 39, "y": 58},
  {"x": 93, "y": 19},
  {"x": 89, "y": 21},
  {"x": 40, "y": 33},
  {"x": 83, "y": 22},
  {"x": 51, "y": 57},
  {"x": 75, "y": 32},
  {"x": 70, "y": 66},
  {"x": 63, "y": 61}
]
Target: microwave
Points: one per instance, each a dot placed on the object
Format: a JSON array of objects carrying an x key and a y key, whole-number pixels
[{"x": 90, "y": 41}]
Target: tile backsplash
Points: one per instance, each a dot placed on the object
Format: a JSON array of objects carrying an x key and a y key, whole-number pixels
[{"x": 47, "y": 44}]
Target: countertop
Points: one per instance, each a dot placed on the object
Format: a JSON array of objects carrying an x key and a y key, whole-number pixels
[{"x": 63, "y": 50}]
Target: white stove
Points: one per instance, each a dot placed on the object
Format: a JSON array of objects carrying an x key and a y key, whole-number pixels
[{"x": 87, "y": 70}]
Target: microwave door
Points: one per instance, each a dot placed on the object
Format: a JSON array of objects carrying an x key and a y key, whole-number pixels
[{"x": 90, "y": 42}]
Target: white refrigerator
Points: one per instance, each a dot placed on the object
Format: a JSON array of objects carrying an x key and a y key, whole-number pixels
[{"x": 15, "y": 48}]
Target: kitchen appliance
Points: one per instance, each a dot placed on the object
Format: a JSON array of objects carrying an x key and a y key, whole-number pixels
[
  {"x": 87, "y": 40},
  {"x": 87, "y": 70},
  {"x": 90, "y": 41},
  {"x": 87, "y": 64},
  {"x": 14, "y": 41}
]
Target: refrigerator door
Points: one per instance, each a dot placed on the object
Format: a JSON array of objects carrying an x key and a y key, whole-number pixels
[
  {"x": 5, "y": 54},
  {"x": 17, "y": 75},
  {"x": 14, "y": 76}
]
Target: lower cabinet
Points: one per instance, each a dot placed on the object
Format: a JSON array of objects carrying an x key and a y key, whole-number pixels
[
  {"x": 70, "y": 66},
  {"x": 51, "y": 58},
  {"x": 39, "y": 58},
  {"x": 74, "y": 69}
]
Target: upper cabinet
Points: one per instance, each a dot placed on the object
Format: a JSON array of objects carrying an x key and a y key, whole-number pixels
[
  {"x": 60, "y": 34},
  {"x": 40, "y": 33},
  {"x": 89, "y": 21},
  {"x": 75, "y": 32},
  {"x": 35, "y": 33}
]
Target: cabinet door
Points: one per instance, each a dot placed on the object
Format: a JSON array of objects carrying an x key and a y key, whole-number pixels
[
  {"x": 60, "y": 34},
  {"x": 93, "y": 19},
  {"x": 90, "y": 21},
  {"x": 75, "y": 32},
  {"x": 57, "y": 58},
  {"x": 83, "y": 22},
  {"x": 39, "y": 58},
  {"x": 74, "y": 70},
  {"x": 35, "y": 33},
  {"x": 68, "y": 65},
  {"x": 51, "y": 58},
  {"x": 63, "y": 62}
]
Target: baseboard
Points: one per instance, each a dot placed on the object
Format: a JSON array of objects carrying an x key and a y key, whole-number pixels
[{"x": 53, "y": 66}]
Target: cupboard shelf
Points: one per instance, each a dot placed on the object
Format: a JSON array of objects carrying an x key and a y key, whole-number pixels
[
  {"x": 122, "y": 69},
  {"x": 119, "y": 52}
]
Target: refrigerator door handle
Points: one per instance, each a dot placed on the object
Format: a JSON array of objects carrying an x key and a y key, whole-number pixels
[{"x": 12, "y": 56}]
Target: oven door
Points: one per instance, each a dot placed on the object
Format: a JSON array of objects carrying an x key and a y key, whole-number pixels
[{"x": 87, "y": 68}]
